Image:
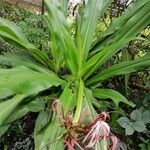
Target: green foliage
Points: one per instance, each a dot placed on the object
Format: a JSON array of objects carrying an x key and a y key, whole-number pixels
[
  {"x": 144, "y": 144},
  {"x": 139, "y": 120},
  {"x": 13, "y": 13},
  {"x": 114, "y": 95},
  {"x": 70, "y": 69},
  {"x": 36, "y": 34}
]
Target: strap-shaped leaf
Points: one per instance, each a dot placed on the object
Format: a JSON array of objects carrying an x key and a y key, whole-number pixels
[
  {"x": 138, "y": 22},
  {"x": 122, "y": 68},
  {"x": 62, "y": 5},
  {"x": 117, "y": 24},
  {"x": 134, "y": 24},
  {"x": 63, "y": 39},
  {"x": 7, "y": 107},
  {"x": 4, "y": 93},
  {"x": 50, "y": 136},
  {"x": 79, "y": 102},
  {"x": 24, "y": 80},
  {"x": 57, "y": 54},
  {"x": 12, "y": 34},
  {"x": 16, "y": 59},
  {"x": 111, "y": 94},
  {"x": 88, "y": 102},
  {"x": 100, "y": 58},
  {"x": 24, "y": 108},
  {"x": 58, "y": 57},
  {"x": 14, "y": 30},
  {"x": 71, "y": 96},
  {"x": 93, "y": 11},
  {"x": 20, "y": 111}
]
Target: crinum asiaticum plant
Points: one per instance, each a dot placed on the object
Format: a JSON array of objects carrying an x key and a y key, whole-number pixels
[{"x": 69, "y": 72}]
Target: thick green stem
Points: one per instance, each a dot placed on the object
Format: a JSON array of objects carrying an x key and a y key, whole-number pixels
[{"x": 79, "y": 102}]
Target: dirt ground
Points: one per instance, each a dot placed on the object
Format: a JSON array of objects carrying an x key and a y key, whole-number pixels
[{"x": 34, "y": 5}]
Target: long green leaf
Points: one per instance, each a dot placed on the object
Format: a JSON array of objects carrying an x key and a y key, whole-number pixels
[
  {"x": 122, "y": 68},
  {"x": 7, "y": 107},
  {"x": 62, "y": 5},
  {"x": 93, "y": 11},
  {"x": 79, "y": 101},
  {"x": 48, "y": 133},
  {"x": 62, "y": 37},
  {"x": 111, "y": 94},
  {"x": 12, "y": 33},
  {"x": 71, "y": 96},
  {"x": 88, "y": 102},
  {"x": 19, "y": 112},
  {"x": 13, "y": 59},
  {"x": 118, "y": 23},
  {"x": 121, "y": 38},
  {"x": 100, "y": 58},
  {"x": 27, "y": 81},
  {"x": 4, "y": 93},
  {"x": 24, "y": 108}
]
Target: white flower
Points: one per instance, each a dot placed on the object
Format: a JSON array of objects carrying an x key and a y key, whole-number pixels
[
  {"x": 75, "y": 1},
  {"x": 99, "y": 130},
  {"x": 114, "y": 142}
]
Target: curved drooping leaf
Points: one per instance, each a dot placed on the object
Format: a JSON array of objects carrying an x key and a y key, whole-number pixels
[
  {"x": 20, "y": 111},
  {"x": 24, "y": 80},
  {"x": 7, "y": 107},
  {"x": 14, "y": 30},
  {"x": 122, "y": 68},
  {"x": 111, "y": 94},
  {"x": 12, "y": 33},
  {"x": 13, "y": 59},
  {"x": 23, "y": 109},
  {"x": 17, "y": 59}
]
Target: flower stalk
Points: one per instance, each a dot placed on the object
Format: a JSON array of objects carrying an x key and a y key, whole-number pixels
[{"x": 79, "y": 102}]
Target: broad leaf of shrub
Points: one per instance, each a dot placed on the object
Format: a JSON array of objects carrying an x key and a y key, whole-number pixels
[
  {"x": 139, "y": 126},
  {"x": 136, "y": 115},
  {"x": 123, "y": 122},
  {"x": 146, "y": 116},
  {"x": 129, "y": 130}
]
